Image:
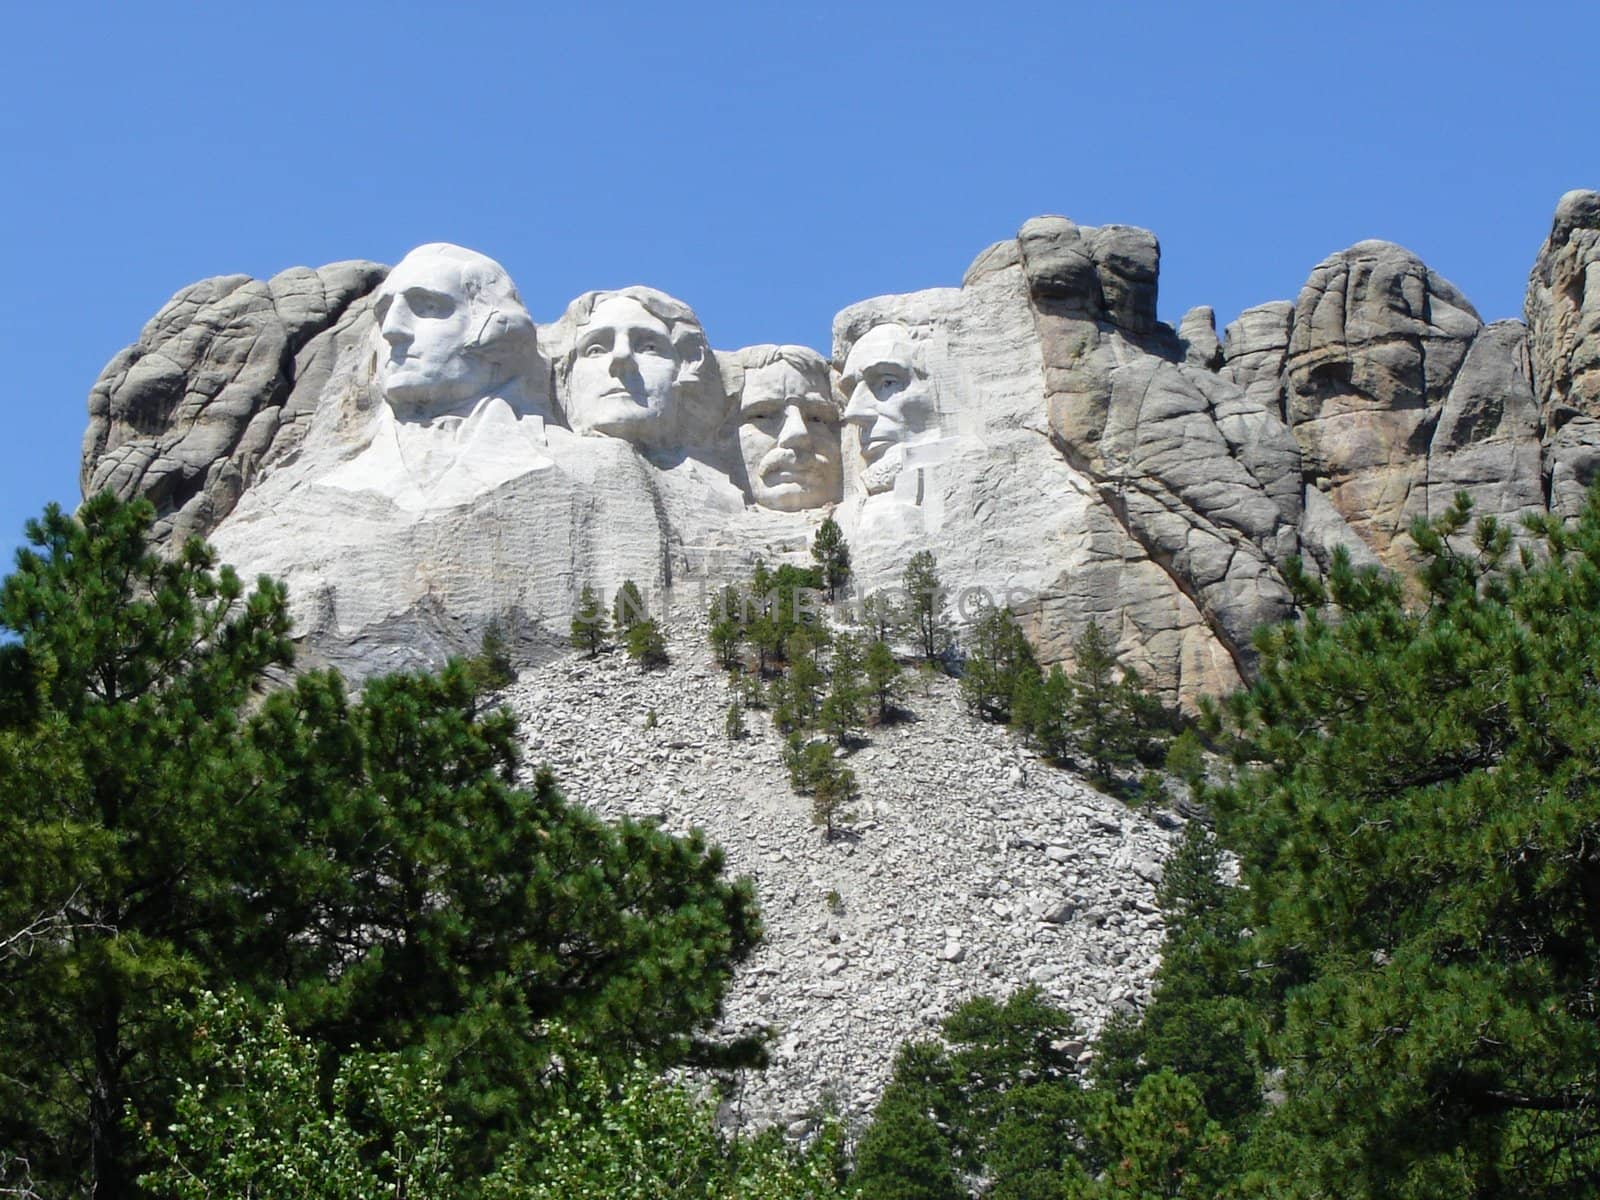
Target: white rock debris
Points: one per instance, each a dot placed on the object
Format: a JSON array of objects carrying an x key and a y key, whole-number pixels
[{"x": 970, "y": 868}]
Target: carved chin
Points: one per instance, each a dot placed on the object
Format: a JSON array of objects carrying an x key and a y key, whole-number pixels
[
  {"x": 414, "y": 392},
  {"x": 880, "y": 476},
  {"x": 618, "y": 417},
  {"x": 789, "y": 497}
]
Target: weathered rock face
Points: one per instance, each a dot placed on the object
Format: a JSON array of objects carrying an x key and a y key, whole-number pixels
[
  {"x": 1202, "y": 478},
  {"x": 224, "y": 377},
  {"x": 1376, "y": 343},
  {"x": 1563, "y": 315},
  {"x": 419, "y": 457}
]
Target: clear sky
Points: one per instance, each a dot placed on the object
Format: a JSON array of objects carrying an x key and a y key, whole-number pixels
[{"x": 768, "y": 164}]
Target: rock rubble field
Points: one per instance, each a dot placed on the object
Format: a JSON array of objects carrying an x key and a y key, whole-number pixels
[{"x": 971, "y": 868}]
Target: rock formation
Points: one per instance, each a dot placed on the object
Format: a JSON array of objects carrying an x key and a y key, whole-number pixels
[
  {"x": 1563, "y": 317},
  {"x": 419, "y": 457},
  {"x": 226, "y": 375}
]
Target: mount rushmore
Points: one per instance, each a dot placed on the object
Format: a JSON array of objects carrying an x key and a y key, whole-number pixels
[{"x": 418, "y": 456}]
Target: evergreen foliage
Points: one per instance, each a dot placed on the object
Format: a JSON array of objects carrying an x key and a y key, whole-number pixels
[
  {"x": 882, "y": 616},
  {"x": 1160, "y": 1144},
  {"x": 1186, "y": 759},
  {"x": 733, "y": 724},
  {"x": 833, "y": 790},
  {"x": 725, "y": 628},
  {"x": 491, "y": 668},
  {"x": 628, "y": 608},
  {"x": 1101, "y": 714},
  {"x": 815, "y": 772},
  {"x": 832, "y": 556},
  {"x": 883, "y": 680},
  {"x": 797, "y": 701},
  {"x": 925, "y": 605},
  {"x": 999, "y": 664},
  {"x": 1418, "y": 827},
  {"x": 589, "y": 629},
  {"x": 765, "y": 624},
  {"x": 367, "y": 863},
  {"x": 841, "y": 714},
  {"x": 1043, "y": 709},
  {"x": 647, "y": 646},
  {"x": 1203, "y": 1014},
  {"x": 996, "y": 1099},
  {"x": 135, "y": 837}
]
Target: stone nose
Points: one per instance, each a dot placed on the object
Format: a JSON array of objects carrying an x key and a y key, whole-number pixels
[
  {"x": 863, "y": 406},
  {"x": 793, "y": 430},
  {"x": 621, "y": 354},
  {"x": 396, "y": 327}
]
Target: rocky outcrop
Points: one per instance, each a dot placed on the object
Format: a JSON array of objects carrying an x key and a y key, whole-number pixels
[
  {"x": 222, "y": 379},
  {"x": 418, "y": 467},
  {"x": 1486, "y": 439},
  {"x": 1377, "y": 341},
  {"x": 1563, "y": 316},
  {"x": 1205, "y": 479}
]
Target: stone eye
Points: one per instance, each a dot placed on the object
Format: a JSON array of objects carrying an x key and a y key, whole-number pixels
[{"x": 429, "y": 304}]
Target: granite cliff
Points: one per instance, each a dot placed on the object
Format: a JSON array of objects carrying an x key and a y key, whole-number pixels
[{"x": 418, "y": 456}]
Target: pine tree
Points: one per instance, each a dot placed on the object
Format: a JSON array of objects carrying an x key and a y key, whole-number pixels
[
  {"x": 135, "y": 840},
  {"x": 589, "y": 629},
  {"x": 999, "y": 663},
  {"x": 1106, "y": 718},
  {"x": 883, "y": 679},
  {"x": 997, "y": 1097},
  {"x": 725, "y": 628},
  {"x": 627, "y": 608},
  {"x": 881, "y": 616},
  {"x": 1206, "y": 1008},
  {"x": 832, "y": 555},
  {"x": 492, "y": 667},
  {"x": 904, "y": 1156},
  {"x": 164, "y": 827},
  {"x": 647, "y": 646},
  {"x": 925, "y": 602},
  {"x": 841, "y": 713},
  {"x": 1042, "y": 707},
  {"x": 798, "y": 694},
  {"x": 833, "y": 789},
  {"x": 765, "y": 627},
  {"x": 1098, "y": 720},
  {"x": 1417, "y": 824}
]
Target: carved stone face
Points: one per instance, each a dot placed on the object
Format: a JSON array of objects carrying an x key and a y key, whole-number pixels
[
  {"x": 789, "y": 438},
  {"x": 889, "y": 400},
  {"x": 432, "y": 323},
  {"x": 623, "y": 373}
]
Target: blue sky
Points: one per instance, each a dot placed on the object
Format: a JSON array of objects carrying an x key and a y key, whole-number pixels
[{"x": 767, "y": 164}]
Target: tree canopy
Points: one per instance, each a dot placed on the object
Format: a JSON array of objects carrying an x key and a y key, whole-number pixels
[{"x": 171, "y": 821}]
